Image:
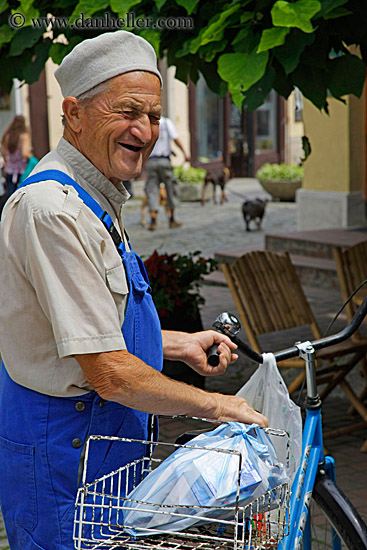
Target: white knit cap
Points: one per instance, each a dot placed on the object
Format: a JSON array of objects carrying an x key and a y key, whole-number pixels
[{"x": 97, "y": 59}]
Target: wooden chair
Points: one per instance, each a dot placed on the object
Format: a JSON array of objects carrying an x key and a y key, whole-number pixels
[
  {"x": 351, "y": 266},
  {"x": 269, "y": 298}
]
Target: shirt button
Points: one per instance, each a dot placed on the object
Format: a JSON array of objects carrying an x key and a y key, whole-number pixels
[
  {"x": 101, "y": 403},
  {"x": 80, "y": 406},
  {"x": 77, "y": 443}
]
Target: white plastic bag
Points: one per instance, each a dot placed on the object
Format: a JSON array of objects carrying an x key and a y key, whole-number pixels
[
  {"x": 196, "y": 476},
  {"x": 267, "y": 393}
]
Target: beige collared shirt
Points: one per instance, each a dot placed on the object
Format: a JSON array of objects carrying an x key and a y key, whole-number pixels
[{"x": 63, "y": 289}]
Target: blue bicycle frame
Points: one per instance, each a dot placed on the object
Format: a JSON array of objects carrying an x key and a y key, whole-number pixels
[{"x": 312, "y": 459}]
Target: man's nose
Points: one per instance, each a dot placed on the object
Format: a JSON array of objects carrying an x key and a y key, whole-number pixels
[{"x": 142, "y": 129}]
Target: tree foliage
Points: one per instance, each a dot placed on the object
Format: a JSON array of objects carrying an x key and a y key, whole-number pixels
[{"x": 247, "y": 47}]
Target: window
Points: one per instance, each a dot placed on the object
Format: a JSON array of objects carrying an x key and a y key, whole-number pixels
[
  {"x": 266, "y": 124},
  {"x": 209, "y": 124}
]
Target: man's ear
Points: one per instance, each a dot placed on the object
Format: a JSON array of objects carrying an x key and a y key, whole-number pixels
[{"x": 72, "y": 111}]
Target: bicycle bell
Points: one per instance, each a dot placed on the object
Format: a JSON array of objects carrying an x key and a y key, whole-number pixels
[{"x": 227, "y": 323}]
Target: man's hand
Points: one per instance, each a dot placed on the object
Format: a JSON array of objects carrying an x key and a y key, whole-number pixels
[
  {"x": 232, "y": 408},
  {"x": 192, "y": 348}
]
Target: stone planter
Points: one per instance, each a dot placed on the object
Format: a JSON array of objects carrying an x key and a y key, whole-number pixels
[
  {"x": 189, "y": 192},
  {"x": 283, "y": 190}
]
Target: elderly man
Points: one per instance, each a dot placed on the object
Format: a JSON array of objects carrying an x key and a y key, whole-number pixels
[{"x": 72, "y": 281}]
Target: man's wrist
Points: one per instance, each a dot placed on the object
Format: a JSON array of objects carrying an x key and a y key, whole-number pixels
[{"x": 174, "y": 344}]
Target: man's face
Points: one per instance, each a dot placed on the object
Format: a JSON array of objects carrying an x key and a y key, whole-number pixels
[{"x": 120, "y": 126}]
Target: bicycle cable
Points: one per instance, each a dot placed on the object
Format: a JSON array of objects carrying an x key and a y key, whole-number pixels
[{"x": 298, "y": 400}]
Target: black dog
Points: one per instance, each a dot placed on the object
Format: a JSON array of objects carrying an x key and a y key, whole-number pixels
[{"x": 254, "y": 210}]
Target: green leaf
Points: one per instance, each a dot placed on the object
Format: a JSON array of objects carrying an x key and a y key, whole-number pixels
[
  {"x": 214, "y": 32},
  {"x": 328, "y": 6},
  {"x": 311, "y": 80},
  {"x": 189, "y": 5},
  {"x": 153, "y": 37},
  {"x": 3, "y": 5},
  {"x": 306, "y": 146},
  {"x": 182, "y": 71},
  {"x": 213, "y": 80},
  {"x": 241, "y": 71},
  {"x": 160, "y": 4},
  {"x": 6, "y": 34},
  {"x": 209, "y": 51},
  {"x": 246, "y": 16},
  {"x": 246, "y": 41},
  {"x": 121, "y": 7},
  {"x": 87, "y": 8},
  {"x": 289, "y": 54},
  {"x": 282, "y": 84},
  {"x": 271, "y": 38},
  {"x": 58, "y": 50},
  {"x": 347, "y": 75},
  {"x": 24, "y": 38},
  {"x": 254, "y": 97},
  {"x": 6, "y": 79},
  {"x": 338, "y": 12},
  {"x": 297, "y": 14},
  {"x": 33, "y": 70},
  {"x": 28, "y": 10}
]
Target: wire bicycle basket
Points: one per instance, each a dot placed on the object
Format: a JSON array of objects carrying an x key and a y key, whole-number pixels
[{"x": 102, "y": 505}]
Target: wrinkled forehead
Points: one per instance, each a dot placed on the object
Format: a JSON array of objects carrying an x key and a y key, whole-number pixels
[{"x": 137, "y": 88}]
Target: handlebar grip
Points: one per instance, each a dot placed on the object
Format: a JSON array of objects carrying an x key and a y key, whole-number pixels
[{"x": 213, "y": 355}]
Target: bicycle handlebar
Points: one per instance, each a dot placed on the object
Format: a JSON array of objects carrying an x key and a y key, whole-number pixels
[
  {"x": 317, "y": 344},
  {"x": 330, "y": 340}
]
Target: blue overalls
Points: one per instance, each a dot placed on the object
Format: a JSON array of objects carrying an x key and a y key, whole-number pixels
[{"x": 41, "y": 437}]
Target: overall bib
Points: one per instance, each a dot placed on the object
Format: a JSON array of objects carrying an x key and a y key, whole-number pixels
[{"x": 42, "y": 437}]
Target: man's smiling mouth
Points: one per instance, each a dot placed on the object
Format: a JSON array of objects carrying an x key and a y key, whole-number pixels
[{"x": 134, "y": 148}]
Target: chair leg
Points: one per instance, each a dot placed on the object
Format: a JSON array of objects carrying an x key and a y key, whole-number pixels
[
  {"x": 364, "y": 391},
  {"x": 362, "y": 396},
  {"x": 340, "y": 375},
  {"x": 296, "y": 384},
  {"x": 362, "y": 410}
]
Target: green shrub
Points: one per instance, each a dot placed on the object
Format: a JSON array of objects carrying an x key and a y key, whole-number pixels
[
  {"x": 282, "y": 171},
  {"x": 190, "y": 174}
]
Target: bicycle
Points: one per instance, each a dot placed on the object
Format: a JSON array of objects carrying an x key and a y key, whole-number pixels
[
  {"x": 316, "y": 476},
  {"x": 100, "y": 505}
]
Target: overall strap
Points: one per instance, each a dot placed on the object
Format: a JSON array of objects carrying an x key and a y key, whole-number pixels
[{"x": 64, "y": 179}]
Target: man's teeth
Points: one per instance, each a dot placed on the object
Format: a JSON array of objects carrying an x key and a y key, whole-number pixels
[{"x": 131, "y": 147}]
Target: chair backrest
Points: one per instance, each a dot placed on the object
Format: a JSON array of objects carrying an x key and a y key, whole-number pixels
[
  {"x": 268, "y": 294},
  {"x": 351, "y": 265}
]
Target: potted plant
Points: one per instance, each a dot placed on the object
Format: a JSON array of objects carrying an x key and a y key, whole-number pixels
[
  {"x": 281, "y": 181},
  {"x": 175, "y": 280},
  {"x": 190, "y": 182}
]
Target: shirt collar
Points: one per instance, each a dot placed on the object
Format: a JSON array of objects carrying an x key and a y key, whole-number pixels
[{"x": 116, "y": 194}]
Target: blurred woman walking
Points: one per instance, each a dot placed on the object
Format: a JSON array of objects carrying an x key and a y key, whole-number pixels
[{"x": 16, "y": 151}]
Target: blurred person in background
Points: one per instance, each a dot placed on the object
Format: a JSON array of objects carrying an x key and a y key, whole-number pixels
[{"x": 16, "y": 152}]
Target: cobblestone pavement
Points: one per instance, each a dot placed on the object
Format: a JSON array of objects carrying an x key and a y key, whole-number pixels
[
  {"x": 217, "y": 227},
  {"x": 208, "y": 228}
]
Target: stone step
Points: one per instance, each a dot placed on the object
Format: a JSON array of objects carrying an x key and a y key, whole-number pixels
[
  {"x": 313, "y": 272},
  {"x": 318, "y": 243}
]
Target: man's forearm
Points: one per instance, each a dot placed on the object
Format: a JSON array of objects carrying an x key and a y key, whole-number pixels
[{"x": 122, "y": 377}]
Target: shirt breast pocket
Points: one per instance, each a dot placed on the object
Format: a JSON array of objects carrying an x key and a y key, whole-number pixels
[{"x": 118, "y": 286}]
